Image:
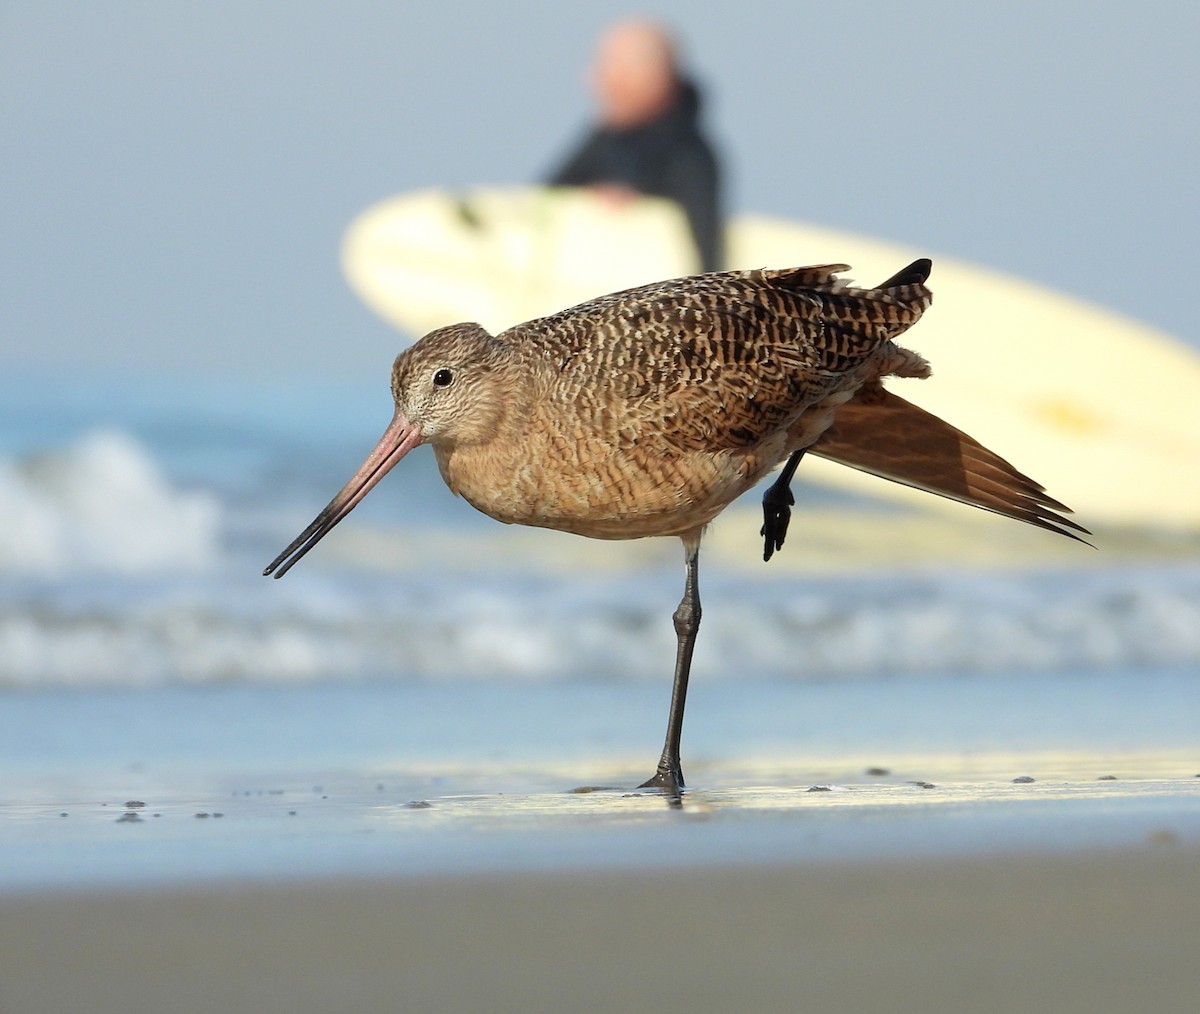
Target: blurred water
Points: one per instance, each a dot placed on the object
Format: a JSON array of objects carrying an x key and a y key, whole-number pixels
[{"x": 138, "y": 515}]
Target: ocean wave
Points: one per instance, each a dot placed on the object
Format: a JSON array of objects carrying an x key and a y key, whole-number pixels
[
  {"x": 131, "y": 556},
  {"x": 101, "y": 504},
  {"x": 354, "y": 626}
]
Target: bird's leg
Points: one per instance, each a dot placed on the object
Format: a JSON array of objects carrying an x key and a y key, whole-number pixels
[
  {"x": 669, "y": 776},
  {"x": 778, "y": 500},
  {"x": 777, "y": 503}
]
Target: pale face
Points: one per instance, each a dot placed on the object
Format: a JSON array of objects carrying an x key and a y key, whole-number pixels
[{"x": 634, "y": 75}]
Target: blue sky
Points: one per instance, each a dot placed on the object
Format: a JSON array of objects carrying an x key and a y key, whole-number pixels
[{"x": 177, "y": 176}]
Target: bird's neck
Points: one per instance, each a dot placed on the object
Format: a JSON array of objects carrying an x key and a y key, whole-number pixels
[{"x": 483, "y": 461}]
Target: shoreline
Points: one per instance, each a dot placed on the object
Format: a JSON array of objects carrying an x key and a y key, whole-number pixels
[{"x": 170, "y": 830}]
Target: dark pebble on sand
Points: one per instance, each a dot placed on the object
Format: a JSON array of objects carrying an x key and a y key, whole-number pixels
[
  {"x": 291, "y": 813},
  {"x": 923, "y": 785},
  {"x": 203, "y": 815},
  {"x": 418, "y": 804},
  {"x": 878, "y": 772},
  {"x": 1023, "y": 779},
  {"x": 134, "y": 804},
  {"x": 62, "y": 814},
  {"x": 819, "y": 788},
  {"x": 129, "y": 818},
  {"x": 1107, "y": 778}
]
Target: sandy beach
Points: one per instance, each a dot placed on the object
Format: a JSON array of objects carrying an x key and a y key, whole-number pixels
[
  {"x": 959, "y": 880},
  {"x": 1089, "y": 932}
]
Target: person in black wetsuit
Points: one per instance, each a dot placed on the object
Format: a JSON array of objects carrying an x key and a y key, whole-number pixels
[{"x": 648, "y": 138}]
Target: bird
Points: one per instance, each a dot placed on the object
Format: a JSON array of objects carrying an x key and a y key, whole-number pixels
[{"x": 646, "y": 412}]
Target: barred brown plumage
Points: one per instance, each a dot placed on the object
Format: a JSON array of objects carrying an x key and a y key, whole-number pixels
[{"x": 646, "y": 412}]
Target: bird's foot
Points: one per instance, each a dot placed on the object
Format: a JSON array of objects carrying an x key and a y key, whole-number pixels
[
  {"x": 777, "y": 503},
  {"x": 668, "y": 780}
]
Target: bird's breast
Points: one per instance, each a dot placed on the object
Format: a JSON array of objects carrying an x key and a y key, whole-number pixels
[{"x": 593, "y": 487}]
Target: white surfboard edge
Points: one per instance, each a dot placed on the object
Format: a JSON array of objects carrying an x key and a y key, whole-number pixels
[{"x": 1100, "y": 408}]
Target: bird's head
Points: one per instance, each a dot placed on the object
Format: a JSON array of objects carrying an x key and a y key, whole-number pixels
[
  {"x": 445, "y": 385},
  {"x": 445, "y": 395}
]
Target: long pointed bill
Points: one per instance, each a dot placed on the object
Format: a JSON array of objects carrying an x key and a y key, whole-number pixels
[{"x": 398, "y": 439}]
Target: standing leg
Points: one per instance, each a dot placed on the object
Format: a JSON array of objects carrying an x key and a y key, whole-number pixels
[
  {"x": 669, "y": 776},
  {"x": 777, "y": 503}
]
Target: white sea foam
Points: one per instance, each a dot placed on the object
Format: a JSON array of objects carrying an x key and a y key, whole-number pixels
[
  {"x": 225, "y": 627},
  {"x": 101, "y": 505}
]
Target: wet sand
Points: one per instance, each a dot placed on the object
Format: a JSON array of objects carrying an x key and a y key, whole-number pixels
[
  {"x": 1015, "y": 845},
  {"x": 867, "y": 891},
  {"x": 1086, "y": 932}
]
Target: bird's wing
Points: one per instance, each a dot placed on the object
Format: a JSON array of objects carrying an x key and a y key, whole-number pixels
[
  {"x": 720, "y": 361},
  {"x": 765, "y": 345},
  {"x": 881, "y": 433}
]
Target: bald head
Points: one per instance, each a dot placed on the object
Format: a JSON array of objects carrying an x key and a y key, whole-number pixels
[{"x": 634, "y": 75}]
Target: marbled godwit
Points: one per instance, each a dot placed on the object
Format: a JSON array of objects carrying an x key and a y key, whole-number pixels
[{"x": 648, "y": 411}]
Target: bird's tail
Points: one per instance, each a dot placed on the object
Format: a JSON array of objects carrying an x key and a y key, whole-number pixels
[
  {"x": 881, "y": 433},
  {"x": 917, "y": 273}
]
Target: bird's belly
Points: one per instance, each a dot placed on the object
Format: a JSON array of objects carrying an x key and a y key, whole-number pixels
[{"x": 631, "y": 494}]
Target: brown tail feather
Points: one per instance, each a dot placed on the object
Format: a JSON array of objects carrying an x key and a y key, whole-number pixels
[{"x": 881, "y": 433}]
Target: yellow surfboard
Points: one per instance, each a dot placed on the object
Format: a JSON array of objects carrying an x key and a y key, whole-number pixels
[{"x": 1099, "y": 407}]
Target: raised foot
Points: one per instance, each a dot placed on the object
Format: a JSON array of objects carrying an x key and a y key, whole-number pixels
[{"x": 777, "y": 503}]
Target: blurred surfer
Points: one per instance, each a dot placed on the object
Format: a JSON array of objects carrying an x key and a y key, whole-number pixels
[{"x": 648, "y": 139}]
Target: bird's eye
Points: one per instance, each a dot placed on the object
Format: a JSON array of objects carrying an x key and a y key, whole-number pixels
[{"x": 443, "y": 378}]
